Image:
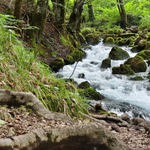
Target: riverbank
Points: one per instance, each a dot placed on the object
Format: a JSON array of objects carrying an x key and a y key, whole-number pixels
[{"x": 22, "y": 123}]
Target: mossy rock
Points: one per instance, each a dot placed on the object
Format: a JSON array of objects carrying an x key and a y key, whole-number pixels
[
  {"x": 148, "y": 62},
  {"x": 58, "y": 63},
  {"x": 123, "y": 69},
  {"x": 136, "y": 63},
  {"x": 91, "y": 93},
  {"x": 81, "y": 38},
  {"x": 145, "y": 54},
  {"x": 117, "y": 53},
  {"x": 142, "y": 44},
  {"x": 69, "y": 60},
  {"x": 92, "y": 38},
  {"x": 109, "y": 40},
  {"x": 84, "y": 85},
  {"x": 115, "y": 31},
  {"x": 77, "y": 55},
  {"x": 137, "y": 78},
  {"x": 86, "y": 31},
  {"x": 135, "y": 49},
  {"x": 127, "y": 35},
  {"x": 106, "y": 63}
]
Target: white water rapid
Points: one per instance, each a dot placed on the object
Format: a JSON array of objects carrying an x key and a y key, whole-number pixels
[{"x": 122, "y": 94}]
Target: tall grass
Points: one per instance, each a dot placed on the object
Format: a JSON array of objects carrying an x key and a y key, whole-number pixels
[{"x": 21, "y": 71}]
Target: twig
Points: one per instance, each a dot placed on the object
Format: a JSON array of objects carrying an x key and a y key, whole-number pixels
[{"x": 74, "y": 69}]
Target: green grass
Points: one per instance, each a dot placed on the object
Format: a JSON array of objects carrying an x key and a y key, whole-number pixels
[{"x": 21, "y": 71}]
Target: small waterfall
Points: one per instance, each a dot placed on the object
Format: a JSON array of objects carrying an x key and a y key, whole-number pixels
[{"x": 121, "y": 93}]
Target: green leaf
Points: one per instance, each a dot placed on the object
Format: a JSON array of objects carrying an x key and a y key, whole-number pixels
[{"x": 54, "y": 54}]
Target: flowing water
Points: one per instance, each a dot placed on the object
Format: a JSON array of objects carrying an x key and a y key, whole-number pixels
[{"x": 122, "y": 95}]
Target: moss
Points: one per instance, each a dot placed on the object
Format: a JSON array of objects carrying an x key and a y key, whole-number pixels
[
  {"x": 137, "y": 78},
  {"x": 136, "y": 63},
  {"x": 81, "y": 38},
  {"x": 109, "y": 40},
  {"x": 135, "y": 49},
  {"x": 106, "y": 63},
  {"x": 77, "y": 55},
  {"x": 69, "y": 60},
  {"x": 142, "y": 44},
  {"x": 145, "y": 54},
  {"x": 123, "y": 69},
  {"x": 127, "y": 35},
  {"x": 114, "y": 31},
  {"x": 84, "y": 85},
  {"x": 92, "y": 38},
  {"x": 148, "y": 62},
  {"x": 117, "y": 53},
  {"x": 103, "y": 112},
  {"x": 59, "y": 63},
  {"x": 92, "y": 94},
  {"x": 86, "y": 31}
]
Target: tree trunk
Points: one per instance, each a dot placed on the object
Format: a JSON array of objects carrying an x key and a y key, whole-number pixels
[
  {"x": 39, "y": 19},
  {"x": 91, "y": 12},
  {"x": 75, "y": 18},
  {"x": 122, "y": 14},
  {"x": 59, "y": 10},
  {"x": 17, "y": 10}
]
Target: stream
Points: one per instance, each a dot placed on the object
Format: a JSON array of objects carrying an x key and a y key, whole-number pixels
[{"x": 121, "y": 94}]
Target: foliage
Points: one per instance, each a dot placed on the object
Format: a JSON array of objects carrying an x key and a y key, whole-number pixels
[{"x": 21, "y": 71}]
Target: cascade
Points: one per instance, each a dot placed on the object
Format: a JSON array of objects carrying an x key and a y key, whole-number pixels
[{"x": 122, "y": 95}]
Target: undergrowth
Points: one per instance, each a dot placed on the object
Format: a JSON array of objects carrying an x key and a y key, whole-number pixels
[{"x": 21, "y": 71}]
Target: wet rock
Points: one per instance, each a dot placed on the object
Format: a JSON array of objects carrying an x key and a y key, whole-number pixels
[
  {"x": 84, "y": 85},
  {"x": 106, "y": 63},
  {"x": 92, "y": 38},
  {"x": 117, "y": 53},
  {"x": 125, "y": 117},
  {"x": 137, "y": 121},
  {"x": 123, "y": 69},
  {"x": 58, "y": 63},
  {"x": 81, "y": 75},
  {"x": 145, "y": 54},
  {"x": 94, "y": 63},
  {"x": 136, "y": 63},
  {"x": 93, "y": 94},
  {"x": 137, "y": 78},
  {"x": 109, "y": 40}
]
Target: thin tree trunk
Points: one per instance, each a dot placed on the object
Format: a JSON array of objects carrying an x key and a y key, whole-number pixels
[
  {"x": 122, "y": 14},
  {"x": 39, "y": 19},
  {"x": 59, "y": 10},
  {"x": 75, "y": 18},
  {"x": 17, "y": 10},
  {"x": 91, "y": 12}
]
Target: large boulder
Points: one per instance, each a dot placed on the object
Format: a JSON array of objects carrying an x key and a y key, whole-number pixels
[
  {"x": 117, "y": 53},
  {"x": 145, "y": 54},
  {"x": 123, "y": 69},
  {"x": 106, "y": 63},
  {"x": 92, "y": 38},
  {"x": 136, "y": 63}
]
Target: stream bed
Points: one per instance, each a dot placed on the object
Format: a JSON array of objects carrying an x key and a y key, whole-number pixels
[{"x": 122, "y": 95}]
